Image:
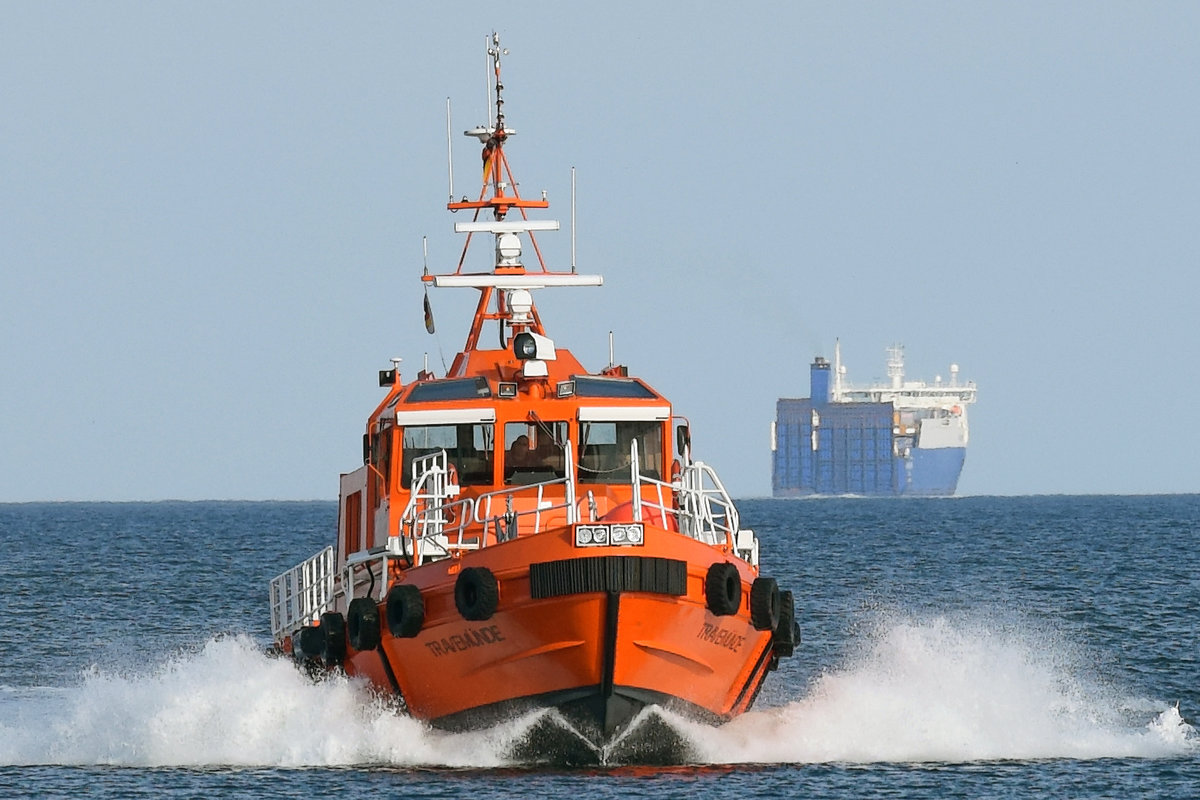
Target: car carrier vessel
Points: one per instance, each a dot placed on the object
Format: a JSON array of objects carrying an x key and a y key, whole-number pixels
[{"x": 900, "y": 437}]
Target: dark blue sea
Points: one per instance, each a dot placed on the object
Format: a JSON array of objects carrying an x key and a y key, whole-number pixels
[{"x": 973, "y": 647}]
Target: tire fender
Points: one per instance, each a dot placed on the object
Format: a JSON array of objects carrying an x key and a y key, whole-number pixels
[
  {"x": 723, "y": 589},
  {"x": 405, "y": 610},
  {"x": 476, "y": 593},
  {"x": 362, "y": 624}
]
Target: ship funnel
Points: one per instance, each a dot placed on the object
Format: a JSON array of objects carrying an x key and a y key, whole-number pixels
[{"x": 819, "y": 383}]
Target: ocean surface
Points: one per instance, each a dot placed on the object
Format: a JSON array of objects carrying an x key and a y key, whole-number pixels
[{"x": 972, "y": 647}]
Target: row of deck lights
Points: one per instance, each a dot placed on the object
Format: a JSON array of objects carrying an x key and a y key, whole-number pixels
[{"x": 603, "y": 535}]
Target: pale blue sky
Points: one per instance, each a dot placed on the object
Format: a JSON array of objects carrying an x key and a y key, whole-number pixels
[{"x": 211, "y": 219}]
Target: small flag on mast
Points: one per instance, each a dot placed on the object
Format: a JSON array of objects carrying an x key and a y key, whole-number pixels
[
  {"x": 489, "y": 150},
  {"x": 428, "y": 314}
]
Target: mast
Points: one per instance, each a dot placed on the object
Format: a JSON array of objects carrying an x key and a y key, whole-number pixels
[
  {"x": 509, "y": 280},
  {"x": 895, "y": 365},
  {"x": 837, "y": 370}
]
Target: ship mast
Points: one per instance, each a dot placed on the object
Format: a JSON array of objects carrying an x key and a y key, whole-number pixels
[
  {"x": 837, "y": 370},
  {"x": 895, "y": 365},
  {"x": 509, "y": 281}
]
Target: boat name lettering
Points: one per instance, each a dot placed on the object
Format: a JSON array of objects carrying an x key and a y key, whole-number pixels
[
  {"x": 470, "y": 637},
  {"x": 721, "y": 637}
]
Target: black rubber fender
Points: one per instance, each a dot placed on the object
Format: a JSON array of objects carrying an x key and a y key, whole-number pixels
[
  {"x": 787, "y": 632},
  {"x": 333, "y": 653},
  {"x": 723, "y": 589},
  {"x": 764, "y": 604},
  {"x": 362, "y": 624},
  {"x": 309, "y": 643},
  {"x": 405, "y": 610},
  {"x": 476, "y": 593}
]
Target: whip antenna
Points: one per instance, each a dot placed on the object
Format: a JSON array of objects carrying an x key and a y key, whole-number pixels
[
  {"x": 449, "y": 155},
  {"x": 572, "y": 220}
]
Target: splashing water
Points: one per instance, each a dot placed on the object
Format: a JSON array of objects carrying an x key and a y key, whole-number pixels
[
  {"x": 917, "y": 691},
  {"x": 937, "y": 691},
  {"x": 227, "y": 705}
]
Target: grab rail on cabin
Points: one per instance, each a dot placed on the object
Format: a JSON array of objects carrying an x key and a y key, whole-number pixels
[
  {"x": 302, "y": 594},
  {"x": 506, "y": 524},
  {"x": 435, "y": 524},
  {"x": 707, "y": 506},
  {"x": 438, "y": 527},
  {"x": 699, "y": 502}
]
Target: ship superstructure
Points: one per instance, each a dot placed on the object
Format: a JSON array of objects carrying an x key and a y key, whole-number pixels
[{"x": 898, "y": 437}]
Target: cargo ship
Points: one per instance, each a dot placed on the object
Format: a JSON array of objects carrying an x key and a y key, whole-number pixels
[
  {"x": 531, "y": 539},
  {"x": 899, "y": 437}
]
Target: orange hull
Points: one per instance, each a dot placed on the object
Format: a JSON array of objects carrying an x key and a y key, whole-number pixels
[{"x": 606, "y": 643}]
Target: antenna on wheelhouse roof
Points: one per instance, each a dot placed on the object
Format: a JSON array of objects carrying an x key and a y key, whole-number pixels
[
  {"x": 449, "y": 152},
  {"x": 494, "y": 51},
  {"x": 572, "y": 220},
  {"x": 487, "y": 78}
]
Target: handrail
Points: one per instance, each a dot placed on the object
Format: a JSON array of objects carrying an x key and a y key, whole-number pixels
[
  {"x": 510, "y": 517},
  {"x": 430, "y": 515},
  {"x": 434, "y": 526},
  {"x": 703, "y": 512},
  {"x": 437, "y": 526},
  {"x": 302, "y": 594}
]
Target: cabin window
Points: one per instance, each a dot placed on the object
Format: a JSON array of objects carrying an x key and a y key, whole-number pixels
[
  {"x": 534, "y": 452},
  {"x": 605, "y": 450},
  {"x": 381, "y": 458},
  {"x": 469, "y": 446},
  {"x": 440, "y": 391},
  {"x": 593, "y": 386},
  {"x": 352, "y": 523}
]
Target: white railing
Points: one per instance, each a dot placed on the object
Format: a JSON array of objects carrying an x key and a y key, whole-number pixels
[
  {"x": 433, "y": 524},
  {"x": 698, "y": 501},
  {"x": 302, "y": 594},
  {"x": 706, "y": 510},
  {"x": 505, "y": 525}
]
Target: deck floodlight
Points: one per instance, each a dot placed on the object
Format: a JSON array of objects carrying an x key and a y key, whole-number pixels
[{"x": 529, "y": 345}]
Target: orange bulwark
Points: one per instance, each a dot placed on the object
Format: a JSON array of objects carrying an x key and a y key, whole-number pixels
[{"x": 526, "y": 534}]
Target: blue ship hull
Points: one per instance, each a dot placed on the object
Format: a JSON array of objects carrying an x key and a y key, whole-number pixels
[
  {"x": 935, "y": 472},
  {"x": 854, "y": 454}
]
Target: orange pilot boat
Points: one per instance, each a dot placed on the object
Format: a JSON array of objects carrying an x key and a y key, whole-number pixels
[{"x": 526, "y": 534}]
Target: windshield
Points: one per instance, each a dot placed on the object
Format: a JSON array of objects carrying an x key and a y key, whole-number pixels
[
  {"x": 605, "y": 449},
  {"x": 534, "y": 452},
  {"x": 469, "y": 446}
]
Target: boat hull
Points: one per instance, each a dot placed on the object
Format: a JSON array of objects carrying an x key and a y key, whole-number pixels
[{"x": 596, "y": 633}]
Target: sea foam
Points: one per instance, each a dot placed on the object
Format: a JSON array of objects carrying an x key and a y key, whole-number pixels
[
  {"x": 936, "y": 690},
  {"x": 932, "y": 690}
]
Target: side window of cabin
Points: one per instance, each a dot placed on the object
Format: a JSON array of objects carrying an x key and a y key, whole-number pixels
[
  {"x": 381, "y": 459},
  {"x": 470, "y": 448},
  {"x": 606, "y": 450},
  {"x": 534, "y": 452}
]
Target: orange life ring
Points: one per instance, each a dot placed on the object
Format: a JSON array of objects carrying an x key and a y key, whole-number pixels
[
  {"x": 676, "y": 475},
  {"x": 451, "y": 480}
]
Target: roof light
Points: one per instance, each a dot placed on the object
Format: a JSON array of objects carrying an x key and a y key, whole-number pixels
[{"x": 529, "y": 345}]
